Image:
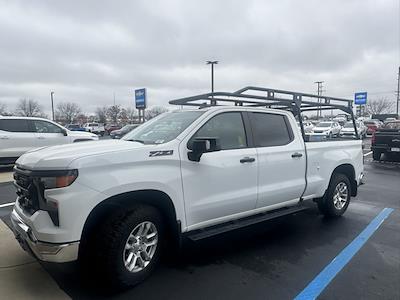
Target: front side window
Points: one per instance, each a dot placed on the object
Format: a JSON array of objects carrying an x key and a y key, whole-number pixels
[
  {"x": 227, "y": 127},
  {"x": 270, "y": 130},
  {"x": 15, "y": 125},
  {"x": 46, "y": 127},
  {"x": 163, "y": 128}
]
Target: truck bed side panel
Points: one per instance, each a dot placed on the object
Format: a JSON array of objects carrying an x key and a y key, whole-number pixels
[{"x": 324, "y": 157}]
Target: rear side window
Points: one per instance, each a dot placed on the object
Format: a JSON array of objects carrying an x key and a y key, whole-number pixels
[
  {"x": 270, "y": 130},
  {"x": 15, "y": 125}
]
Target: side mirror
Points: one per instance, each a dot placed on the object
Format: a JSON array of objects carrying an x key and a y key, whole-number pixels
[
  {"x": 202, "y": 145},
  {"x": 64, "y": 132}
]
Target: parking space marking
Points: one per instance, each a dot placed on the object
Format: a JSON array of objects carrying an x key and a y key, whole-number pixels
[
  {"x": 366, "y": 154},
  {"x": 7, "y": 204},
  {"x": 319, "y": 283}
]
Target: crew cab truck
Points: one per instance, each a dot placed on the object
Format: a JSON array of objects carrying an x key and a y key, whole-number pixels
[{"x": 116, "y": 205}]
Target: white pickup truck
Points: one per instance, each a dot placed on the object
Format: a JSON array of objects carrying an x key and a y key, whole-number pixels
[
  {"x": 95, "y": 128},
  {"x": 116, "y": 205}
]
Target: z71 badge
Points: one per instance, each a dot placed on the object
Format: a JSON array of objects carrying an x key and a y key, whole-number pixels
[{"x": 161, "y": 153}]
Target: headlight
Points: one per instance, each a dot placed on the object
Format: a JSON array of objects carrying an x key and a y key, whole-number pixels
[{"x": 59, "y": 181}]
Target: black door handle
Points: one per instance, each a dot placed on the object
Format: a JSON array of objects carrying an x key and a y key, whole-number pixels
[
  {"x": 247, "y": 159},
  {"x": 297, "y": 154}
]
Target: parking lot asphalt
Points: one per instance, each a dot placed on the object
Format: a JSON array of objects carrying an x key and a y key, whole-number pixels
[{"x": 275, "y": 259}]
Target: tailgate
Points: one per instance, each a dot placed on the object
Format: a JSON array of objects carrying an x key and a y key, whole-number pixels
[{"x": 388, "y": 138}]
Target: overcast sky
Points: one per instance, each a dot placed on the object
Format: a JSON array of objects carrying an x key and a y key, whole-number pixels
[{"x": 85, "y": 51}]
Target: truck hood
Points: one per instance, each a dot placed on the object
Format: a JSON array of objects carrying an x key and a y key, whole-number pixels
[
  {"x": 60, "y": 157},
  {"x": 82, "y": 133}
]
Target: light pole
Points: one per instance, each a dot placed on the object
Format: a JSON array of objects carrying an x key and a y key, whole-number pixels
[
  {"x": 212, "y": 63},
  {"x": 319, "y": 83},
  {"x": 52, "y": 105}
]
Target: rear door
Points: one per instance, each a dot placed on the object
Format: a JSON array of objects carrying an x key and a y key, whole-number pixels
[
  {"x": 222, "y": 183},
  {"x": 48, "y": 134},
  {"x": 281, "y": 159},
  {"x": 16, "y": 137}
]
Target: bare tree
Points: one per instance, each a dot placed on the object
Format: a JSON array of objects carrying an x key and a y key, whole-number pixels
[
  {"x": 3, "y": 109},
  {"x": 67, "y": 111},
  {"x": 379, "y": 106},
  {"x": 155, "y": 111},
  {"x": 132, "y": 115},
  {"x": 101, "y": 114},
  {"x": 113, "y": 113},
  {"x": 29, "y": 108}
]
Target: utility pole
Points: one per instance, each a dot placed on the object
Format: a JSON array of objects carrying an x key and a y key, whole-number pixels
[
  {"x": 52, "y": 105},
  {"x": 398, "y": 93},
  {"x": 212, "y": 63},
  {"x": 319, "y": 93},
  {"x": 114, "y": 97}
]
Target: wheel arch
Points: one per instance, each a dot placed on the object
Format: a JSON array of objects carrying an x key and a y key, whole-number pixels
[
  {"x": 348, "y": 170},
  {"x": 127, "y": 200}
]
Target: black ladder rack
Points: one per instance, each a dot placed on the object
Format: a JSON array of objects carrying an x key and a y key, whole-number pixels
[{"x": 252, "y": 96}]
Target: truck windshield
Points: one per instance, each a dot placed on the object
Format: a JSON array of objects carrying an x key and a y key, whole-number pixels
[
  {"x": 163, "y": 128},
  {"x": 392, "y": 125}
]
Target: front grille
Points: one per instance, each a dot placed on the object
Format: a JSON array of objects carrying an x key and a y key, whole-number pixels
[{"x": 26, "y": 191}]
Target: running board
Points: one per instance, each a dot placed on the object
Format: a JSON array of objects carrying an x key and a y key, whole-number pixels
[{"x": 207, "y": 232}]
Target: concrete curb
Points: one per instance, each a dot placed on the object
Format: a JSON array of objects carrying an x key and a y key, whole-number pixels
[{"x": 21, "y": 276}]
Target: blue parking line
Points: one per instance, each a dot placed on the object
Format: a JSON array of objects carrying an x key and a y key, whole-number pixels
[{"x": 319, "y": 283}]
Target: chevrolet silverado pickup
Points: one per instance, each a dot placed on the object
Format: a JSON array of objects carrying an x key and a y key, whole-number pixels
[{"x": 116, "y": 205}]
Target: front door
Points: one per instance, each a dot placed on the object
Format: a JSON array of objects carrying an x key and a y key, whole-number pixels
[
  {"x": 224, "y": 182},
  {"x": 48, "y": 134}
]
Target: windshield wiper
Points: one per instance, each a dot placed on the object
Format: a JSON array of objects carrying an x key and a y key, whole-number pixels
[{"x": 134, "y": 140}]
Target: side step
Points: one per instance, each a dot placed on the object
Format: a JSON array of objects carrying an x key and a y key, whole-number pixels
[{"x": 244, "y": 222}]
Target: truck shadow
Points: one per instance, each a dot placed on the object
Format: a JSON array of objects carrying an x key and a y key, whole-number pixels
[{"x": 266, "y": 249}]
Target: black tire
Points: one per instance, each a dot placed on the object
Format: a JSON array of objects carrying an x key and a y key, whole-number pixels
[
  {"x": 104, "y": 255},
  {"x": 326, "y": 204},
  {"x": 376, "y": 155}
]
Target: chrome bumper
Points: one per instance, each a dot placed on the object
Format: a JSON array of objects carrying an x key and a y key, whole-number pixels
[{"x": 50, "y": 252}]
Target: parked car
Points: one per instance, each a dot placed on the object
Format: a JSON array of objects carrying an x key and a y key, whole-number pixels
[
  {"x": 348, "y": 129},
  {"x": 390, "y": 120},
  {"x": 75, "y": 127},
  {"x": 308, "y": 126},
  {"x": 114, "y": 205},
  {"x": 117, "y": 134},
  {"x": 21, "y": 134},
  {"x": 111, "y": 127},
  {"x": 386, "y": 140},
  {"x": 95, "y": 128},
  {"x": 329, "y": 129},
  {"x": 372, "y": 125}
]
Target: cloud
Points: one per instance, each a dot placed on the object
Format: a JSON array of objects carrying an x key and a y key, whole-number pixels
[{"x": 86, "y": 51}]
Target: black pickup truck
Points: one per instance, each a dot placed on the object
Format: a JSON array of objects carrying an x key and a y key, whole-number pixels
[{"x": 386, "y": 140}]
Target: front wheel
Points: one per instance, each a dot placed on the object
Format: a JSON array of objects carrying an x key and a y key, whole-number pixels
[
  {"x": 337, "y": 197},
  {"x": 127, "y": 248}
]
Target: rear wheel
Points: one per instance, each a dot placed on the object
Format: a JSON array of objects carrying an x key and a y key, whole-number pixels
[
  {"x": 127, "y": 248},
  {"x": 337, "y": 197},
  {"x": 376, "y": 155}
]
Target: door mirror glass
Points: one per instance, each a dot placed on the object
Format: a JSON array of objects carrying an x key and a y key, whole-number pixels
[{"x": 202, "y": 145}]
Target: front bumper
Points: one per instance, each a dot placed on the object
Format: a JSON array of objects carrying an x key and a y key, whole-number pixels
[{"x": 51, "y": 252}]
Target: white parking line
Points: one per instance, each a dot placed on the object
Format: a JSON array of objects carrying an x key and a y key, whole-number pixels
[
  {"x": 366, "y": 154},
  {"x": 7, "y": 204}
]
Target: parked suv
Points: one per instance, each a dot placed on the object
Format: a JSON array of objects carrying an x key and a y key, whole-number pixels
[{"x": 21, "y": 134}]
